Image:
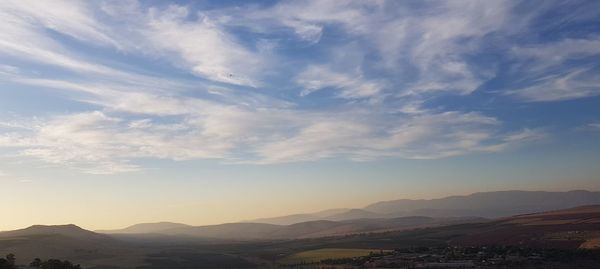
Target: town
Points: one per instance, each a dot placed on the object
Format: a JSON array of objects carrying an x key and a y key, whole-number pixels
[{"x": 466, "y": 257}]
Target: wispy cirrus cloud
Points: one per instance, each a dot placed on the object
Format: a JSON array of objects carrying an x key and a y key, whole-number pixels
[
  {"x": 551, "y": 73},
  {"x": 98, "y": 143},
  {"x": 239, "y": 83},
  {"x": 566, "y": 85},
  {"x": 204, "y": 47},
  {"x": 318, "y": 77}
]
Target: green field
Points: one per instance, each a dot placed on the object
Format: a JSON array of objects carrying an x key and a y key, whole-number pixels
[{"x": 326, "y": 253}]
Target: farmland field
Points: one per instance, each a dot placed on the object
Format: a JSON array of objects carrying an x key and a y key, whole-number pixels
[{"x": 326, "y": 253}]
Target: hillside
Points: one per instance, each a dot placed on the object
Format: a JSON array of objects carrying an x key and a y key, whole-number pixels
[
  {"x": 68, "y": 242},
  {"x": 70, "y": 230},
  {"x": 570, "y": 228}
]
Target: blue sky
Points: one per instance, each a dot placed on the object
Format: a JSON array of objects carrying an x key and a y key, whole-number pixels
[{"x": 387, "y": 98}]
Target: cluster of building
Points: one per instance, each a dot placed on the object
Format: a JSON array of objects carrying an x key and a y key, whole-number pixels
[{"x": 469, "y": 257}]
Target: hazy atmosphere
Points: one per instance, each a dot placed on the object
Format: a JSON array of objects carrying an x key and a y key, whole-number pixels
[{"x": 114, "y": 113}]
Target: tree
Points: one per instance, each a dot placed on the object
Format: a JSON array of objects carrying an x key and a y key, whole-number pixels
[
  {"x": 12, "y": 259},
  {"x": 3, "y": 264},
  {"x": 37, "y": 263},
  {"x": 9, "y": 262},
  {"x": 58, "y": 264}
]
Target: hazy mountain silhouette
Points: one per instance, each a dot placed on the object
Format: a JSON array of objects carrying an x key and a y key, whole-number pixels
[
  {"x": 309, "y": 229},
  {"x": 297, "y": 218},
  {"x": 488, "y": 204},
  {"x": 482, "y": 204},
  {"x": 354, "y": 214},
  {"x": 234, "y": 231},
  {"x": 145, "y": 228}
]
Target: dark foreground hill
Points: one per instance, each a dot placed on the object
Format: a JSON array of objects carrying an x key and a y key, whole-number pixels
[
  {"x": 571, "y": 228},
  {"x": 70, "y": 231},
  {"x": 564, "y": 229},
  {"x": 67, "y": 242}
]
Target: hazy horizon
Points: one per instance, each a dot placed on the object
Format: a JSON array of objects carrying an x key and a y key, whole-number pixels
[
  {"x": 114, "y": 113},
  {"x": 282, "y": 214}
]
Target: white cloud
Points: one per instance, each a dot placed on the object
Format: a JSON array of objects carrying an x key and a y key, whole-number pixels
[
  {"x": 21, "y": 31},
  {"x": 592, "y": 126},
  {"x": 576, "y": 83},
  {"x": 317, "y": 77},
  {"x": 306, "y": 19},
  {"x": 437, "y": 43},
  {"x": 136, "y": 116},
  {"x": 426, "y": 46},
  {"x": 202, "y": 47},
  {"x": 430, "y": 136},
  {"x": 96, "y": 142},
  {"x": 73, "y": 18},
  {"x": 555, "y": 53},
  {"x": 548, "y": 80},
  {"x": 208, "y": 50}
]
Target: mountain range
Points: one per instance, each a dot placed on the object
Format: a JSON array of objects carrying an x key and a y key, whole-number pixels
[
  {"x": 570, "y": 228},
  {"x": 381, "y": 216},
  {"x": 573, "y": 228},
  {"x": 482, "y": 204},
  {"x": 265, "y": 231}
]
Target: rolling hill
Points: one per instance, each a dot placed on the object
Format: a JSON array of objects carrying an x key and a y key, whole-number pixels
[
  {"x": 232, "y": 231},
  {"x": 68, "y": 242},
  {"x": 309, "y": 229}
]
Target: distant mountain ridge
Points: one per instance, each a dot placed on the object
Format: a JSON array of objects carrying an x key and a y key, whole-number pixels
[
  {"x": 146, "y": 228},
  {"x": 491, "y": 204},
  {"x": 482, "y": 204},
  {"x": 297, "y": 218},
  {"x": 74, "y": 235},
  {"x": 381, "y": 216},
  {"x": 310, "y": 229}
]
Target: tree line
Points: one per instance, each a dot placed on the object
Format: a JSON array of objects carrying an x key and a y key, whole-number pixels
[{"x": 10, "y": 262}]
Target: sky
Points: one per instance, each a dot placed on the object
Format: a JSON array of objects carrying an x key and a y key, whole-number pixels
[{"x": 119, "y": 112}]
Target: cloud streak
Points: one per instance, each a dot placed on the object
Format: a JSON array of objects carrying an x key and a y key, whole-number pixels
[{"x": 287, "y": 82}]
